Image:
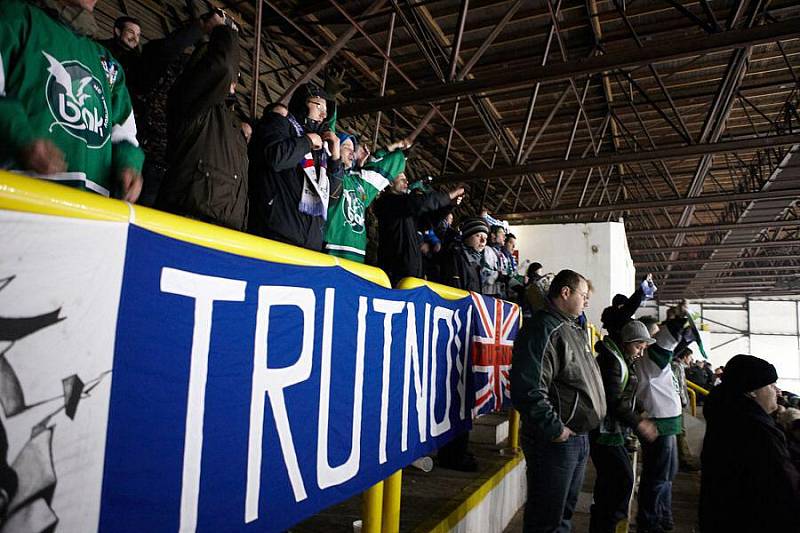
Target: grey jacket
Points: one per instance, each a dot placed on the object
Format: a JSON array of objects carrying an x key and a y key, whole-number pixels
[{"x": 555, "y": 379}]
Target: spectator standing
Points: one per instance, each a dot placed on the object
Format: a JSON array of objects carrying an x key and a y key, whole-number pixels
[
  {"x": 151, "y": 70},
  {"x": 614, "y": 482},
  {"x": 748, "y": 480},
  {"x": 345, "y": 230},
  {"x": 680, "y": 363},
  {"x": 292, "y": 173},
  {"x": 445, "y": 231},
  {"x": 461, "y": 269},
  {"x": 536, "y": 288},
  {"x": 398, "y": 213},
  {"x": 557, "y": 388},
  {"x": 65, "y": 113},
  {"x": 622, "y": 309},
  {"x": 494, "y": 271},
  {"x": 659, "y": 396},
  {"x": 207, "y": 175},
  {"x": 461, "y": 261}
]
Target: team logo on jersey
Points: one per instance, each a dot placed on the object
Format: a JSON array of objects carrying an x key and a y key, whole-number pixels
[
  {"x": 77, "y": 101},
  {"x": 112, "y": 69},
  {"x": 353, "y": 208}
]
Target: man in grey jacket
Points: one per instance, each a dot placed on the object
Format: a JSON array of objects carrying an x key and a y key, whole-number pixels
[{"x": 557, "y": 388}]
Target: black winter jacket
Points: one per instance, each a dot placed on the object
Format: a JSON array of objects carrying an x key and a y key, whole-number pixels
[
  {"x": 555, "y": 380},
  {"x": 457, "y": 271},
  {"x": 276, "y": 183},
  {"x": 207, "y": 175},
  {"x": 619, "y": 383},
  {"x": 398, "y": 246},
  {"x": 748, "y": 482}
]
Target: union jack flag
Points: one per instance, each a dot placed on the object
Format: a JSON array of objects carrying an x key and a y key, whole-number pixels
[{"x": 496, "y": 327}]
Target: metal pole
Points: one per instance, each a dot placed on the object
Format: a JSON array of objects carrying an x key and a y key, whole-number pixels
[
  {"x": 322, "y": 60},
  {"x": 372, "y": 508},
  {"x": 256, "y": 72},
  {"x": 725, "y": 246},
  {"x": 392, "y": 486},
  {"x": 511, "y": 79},
  {"x": 707, "y": 228},
  {"x": 384, "y": 75},
  {"x": 674, "y": 152},
  {"x": 657, "y": 204}
]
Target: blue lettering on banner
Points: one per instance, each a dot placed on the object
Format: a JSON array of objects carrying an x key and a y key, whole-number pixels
[{"x": 248, "y": 396}]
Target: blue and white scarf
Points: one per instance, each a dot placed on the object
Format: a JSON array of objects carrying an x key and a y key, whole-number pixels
[{"x": 316, "y": 189}]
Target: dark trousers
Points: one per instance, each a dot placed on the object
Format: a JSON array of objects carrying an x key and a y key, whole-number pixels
[
  {"x": 612, "y": 487},
  {"x": 455, "y": 451},
  {"x": 659, "y": 467},
  {"x": 555, "y": 475}
]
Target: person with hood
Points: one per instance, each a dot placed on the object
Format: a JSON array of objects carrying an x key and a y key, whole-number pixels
[
  {"x": 622, "y": 309},
  {"x": 557, "y": 388},
  {"x": 748, "y": 482},
  {"x": 614, "y": 482},
  {"x": 291, "y": 171},
  {"x": 345, "y": 230},
  {"x": 398, "y": 214},
  {"x": 65, "y": 112},
  {"x": 207, "y": 175}
]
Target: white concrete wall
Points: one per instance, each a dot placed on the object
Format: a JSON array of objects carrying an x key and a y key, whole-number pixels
[{"x": 598, "y": 251}]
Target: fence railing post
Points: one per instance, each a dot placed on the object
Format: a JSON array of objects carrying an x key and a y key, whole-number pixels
[
  {"x": 391, "y": 502},
  {"x": 372, "y": 509}
]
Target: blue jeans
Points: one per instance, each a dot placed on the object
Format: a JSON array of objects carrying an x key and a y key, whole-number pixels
[
  {"x": 659, "y": 467},
  {"x": 555, "y": 476}
]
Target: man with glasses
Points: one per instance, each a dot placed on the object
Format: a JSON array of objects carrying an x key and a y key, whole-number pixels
[
  {"x": 557, "y": 388},
  {"x": 295, "y": 163}
]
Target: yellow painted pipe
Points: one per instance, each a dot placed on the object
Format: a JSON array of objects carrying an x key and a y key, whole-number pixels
[
  {"x": 692, "y": 401},
  {"x": 372, "y": 508},
  {"x": 513, "y": 429},
  {"x": 697, "y": 388},
  {"x": 391, "y": 502}
]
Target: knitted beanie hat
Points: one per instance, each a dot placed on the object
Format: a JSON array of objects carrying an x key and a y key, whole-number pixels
[
  {"x": 473, "y": 225},
  {"x": 745, "y": 373}
]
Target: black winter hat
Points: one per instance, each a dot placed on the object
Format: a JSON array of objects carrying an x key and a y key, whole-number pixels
[
  {"x": 745, "y": 373},
  {"x": 298, "y": 108},
  {"x": 473, "y": 225},
  {"x": 618, "y": 300}
]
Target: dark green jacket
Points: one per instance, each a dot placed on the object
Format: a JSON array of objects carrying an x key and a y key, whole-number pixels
[{"x": 555, "y": 380}]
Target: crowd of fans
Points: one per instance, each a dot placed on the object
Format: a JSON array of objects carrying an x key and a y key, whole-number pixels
[
  {"x": 69, "y": 110},
  {"x": 166, "y": 132}
]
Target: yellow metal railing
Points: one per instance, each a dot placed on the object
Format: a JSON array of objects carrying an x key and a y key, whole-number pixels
[
  {"x": 692, "y": 401},
  {"x": 697, "y": 388}
]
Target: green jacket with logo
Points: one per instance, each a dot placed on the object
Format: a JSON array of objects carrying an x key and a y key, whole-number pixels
[
  {"x": 345, "y": 231},
  {"x": 64, "y": 87},
  {"x": 555, "y": 380}
]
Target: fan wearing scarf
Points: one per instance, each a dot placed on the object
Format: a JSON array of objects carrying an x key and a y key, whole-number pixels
[
  {"x": 345, "y": 232},
  {"x": 294, "y": 164}
]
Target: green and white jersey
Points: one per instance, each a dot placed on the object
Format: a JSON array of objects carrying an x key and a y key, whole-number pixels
[
  {"x": 346, "y": 232},
  {"x": 64, "y": 87}
]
